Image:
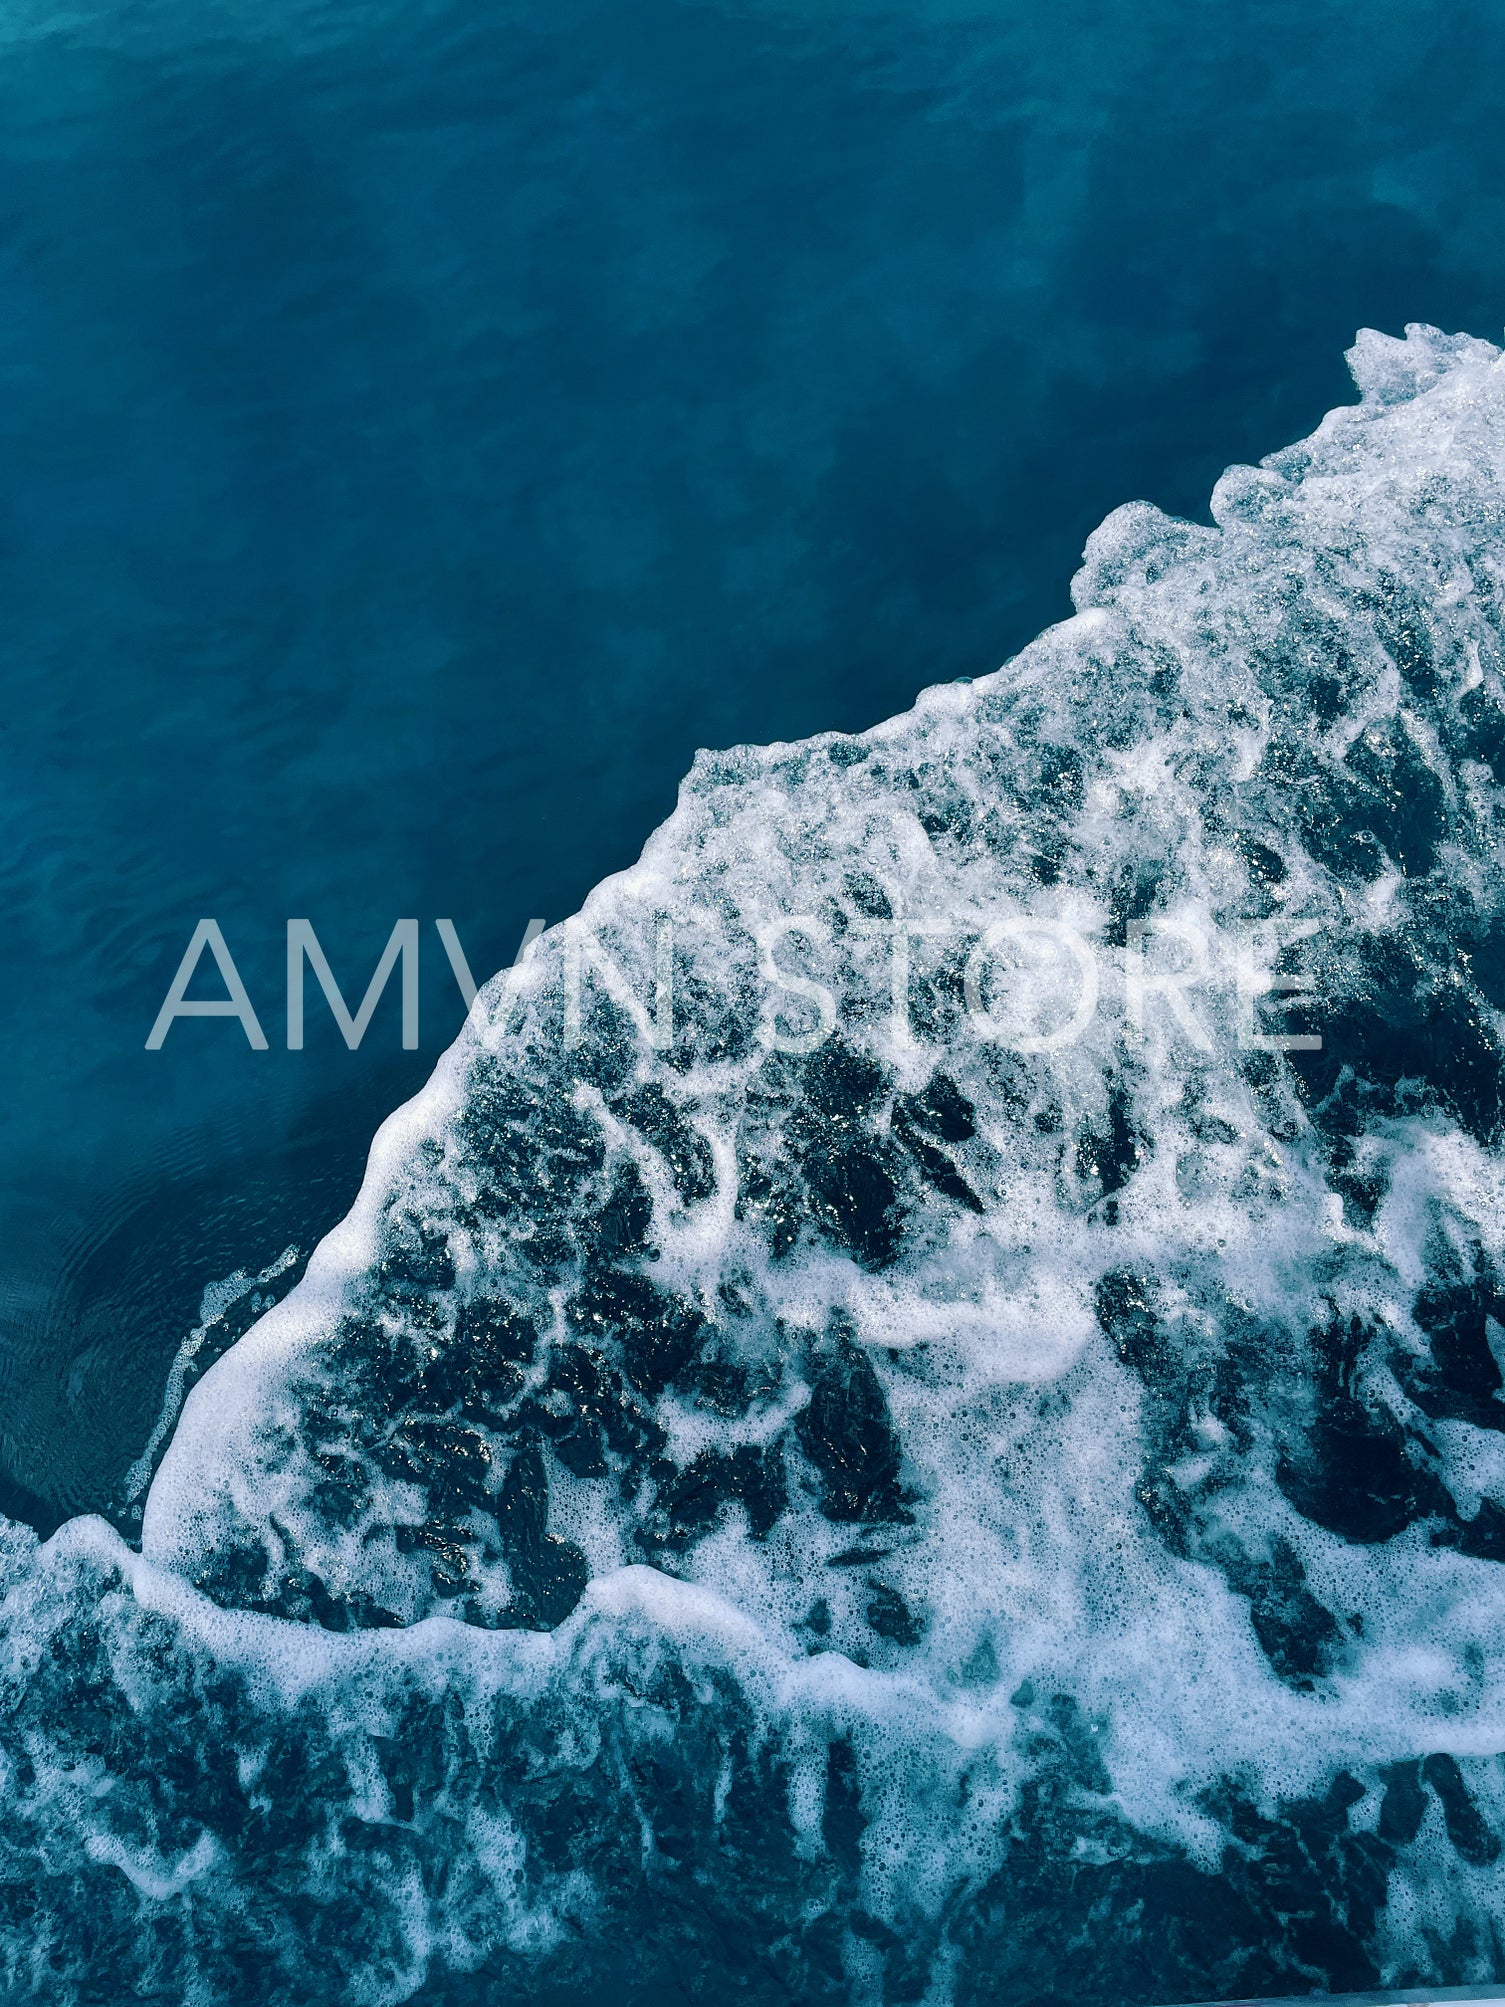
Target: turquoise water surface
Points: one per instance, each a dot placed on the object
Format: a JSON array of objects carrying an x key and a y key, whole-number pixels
[{"x": 947, "y": 1461}]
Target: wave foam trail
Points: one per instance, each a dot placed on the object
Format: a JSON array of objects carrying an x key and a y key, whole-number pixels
[{"x": 1003, "y": 1500}]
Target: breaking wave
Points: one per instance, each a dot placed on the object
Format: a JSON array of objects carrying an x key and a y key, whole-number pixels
[{"x": 915, "y": 1412}]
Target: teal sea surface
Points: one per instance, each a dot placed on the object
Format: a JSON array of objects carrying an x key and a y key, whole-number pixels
[{"x": 944, "y": 1518}]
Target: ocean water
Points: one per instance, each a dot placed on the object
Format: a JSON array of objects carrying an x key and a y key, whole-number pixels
[
  {"x": 877, "y": 1432},
  {"x": 874, "y": 1430},
  {"x": 425, "y": 427}
]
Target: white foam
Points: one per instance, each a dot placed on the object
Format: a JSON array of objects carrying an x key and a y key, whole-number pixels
[{"x": 1166, "y": 752}]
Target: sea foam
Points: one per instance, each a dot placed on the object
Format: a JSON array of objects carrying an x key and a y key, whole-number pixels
[{"x": 1000, "y": 1499}]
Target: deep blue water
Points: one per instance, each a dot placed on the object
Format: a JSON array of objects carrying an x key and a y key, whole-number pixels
[
  {"x": 421, "y": 428},
  {"x": 923, "y": 1515}
]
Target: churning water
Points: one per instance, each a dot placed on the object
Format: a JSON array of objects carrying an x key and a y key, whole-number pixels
[{"x": 1000, "y": 1501}]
